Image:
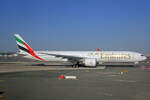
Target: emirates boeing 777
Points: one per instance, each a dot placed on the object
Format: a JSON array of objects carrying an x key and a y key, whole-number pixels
[{"x": 86, "y": 58}]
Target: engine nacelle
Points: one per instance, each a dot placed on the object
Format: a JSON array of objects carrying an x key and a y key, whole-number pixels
[{"x": 90, "y": 62}]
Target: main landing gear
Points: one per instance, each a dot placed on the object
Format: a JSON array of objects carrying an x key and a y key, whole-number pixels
[{"x": 75, "y": 65}]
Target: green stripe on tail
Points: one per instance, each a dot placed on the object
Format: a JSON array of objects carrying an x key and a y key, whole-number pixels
[{"x": 20, "y": 41}]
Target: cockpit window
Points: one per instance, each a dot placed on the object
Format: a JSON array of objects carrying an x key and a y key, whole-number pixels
[{"x": 142, "y": 55}]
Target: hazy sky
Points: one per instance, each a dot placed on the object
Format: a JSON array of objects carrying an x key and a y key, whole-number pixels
[{"x": 76, "y": 24}]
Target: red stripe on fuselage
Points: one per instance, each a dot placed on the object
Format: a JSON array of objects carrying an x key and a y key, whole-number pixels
[{"x": 31, "y": 51}]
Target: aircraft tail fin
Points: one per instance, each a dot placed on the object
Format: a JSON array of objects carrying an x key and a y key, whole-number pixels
[{"x": 24, "y": 47}]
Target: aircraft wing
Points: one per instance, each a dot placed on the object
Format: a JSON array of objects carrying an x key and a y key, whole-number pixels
[{"x": 70, "y": 58}]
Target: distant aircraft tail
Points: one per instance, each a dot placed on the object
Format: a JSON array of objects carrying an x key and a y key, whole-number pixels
[{"x": 24, "y": 47}]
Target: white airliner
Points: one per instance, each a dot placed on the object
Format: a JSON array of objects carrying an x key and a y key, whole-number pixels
[{"x": 86, "y": 58}]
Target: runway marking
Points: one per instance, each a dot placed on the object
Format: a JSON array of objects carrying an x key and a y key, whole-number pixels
[
  {"x": 107, "y": 94},
  {"x": 87, "y": 70},
  {"x": 32, "y": 72},
  {"x": 52, "y": 71},
  {"x": 113, "y": 75},
  {"x": 1, "y": 81},
  {"x": 1, "y": 96},
  {"x": 126, "y": 80}
]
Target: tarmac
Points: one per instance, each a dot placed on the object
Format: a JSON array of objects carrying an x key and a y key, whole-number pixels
[
  {"x": 35, "y": 81},
  {"x": 34, "y": 66}
]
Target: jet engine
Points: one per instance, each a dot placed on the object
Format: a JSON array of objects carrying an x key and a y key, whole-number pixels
[{"x": 90, "y": 62}]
